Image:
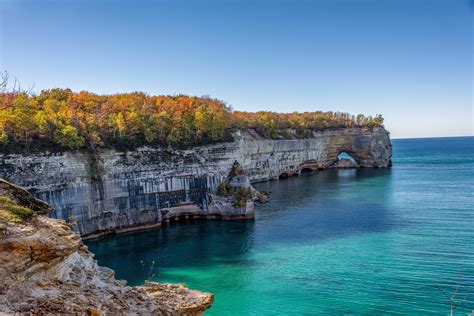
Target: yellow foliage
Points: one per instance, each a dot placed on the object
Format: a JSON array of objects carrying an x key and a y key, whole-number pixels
[{"x": 74, "y": 120}]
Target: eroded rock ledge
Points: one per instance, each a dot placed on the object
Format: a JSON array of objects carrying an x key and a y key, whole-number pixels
[
  {"x": 45, "y": 269},
  {"x": 110, "y": 191}
]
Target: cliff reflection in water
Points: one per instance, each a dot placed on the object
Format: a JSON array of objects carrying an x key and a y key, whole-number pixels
[
  {"x": 322, "y": 205},
  {"x": 175, "y": 245}
]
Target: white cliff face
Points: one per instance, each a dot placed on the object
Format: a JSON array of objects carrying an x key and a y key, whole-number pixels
[{"x": 115, "y": 191}]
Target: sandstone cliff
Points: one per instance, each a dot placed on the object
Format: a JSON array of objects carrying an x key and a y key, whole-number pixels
[
  {"x": 45, "y": 269},
  {"x": 111, "y": 191}
]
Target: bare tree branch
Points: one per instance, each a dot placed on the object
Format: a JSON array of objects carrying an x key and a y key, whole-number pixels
[
  {"x": 3, "y": 81},
  {"x": 443, "y": 292},
  {"x": 452, "y": 298},
  {"x": 7, "y": 95}
]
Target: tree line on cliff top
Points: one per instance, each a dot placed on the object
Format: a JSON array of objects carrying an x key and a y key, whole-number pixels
[{"x": 63, "y": 119}]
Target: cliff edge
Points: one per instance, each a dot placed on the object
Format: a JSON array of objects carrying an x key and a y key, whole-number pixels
[
  {"x": 45, "y": 269},
  {"x": 110, "y": 191}
]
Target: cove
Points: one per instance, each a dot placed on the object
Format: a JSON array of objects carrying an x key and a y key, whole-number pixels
[{"x": 353, "y": 241}]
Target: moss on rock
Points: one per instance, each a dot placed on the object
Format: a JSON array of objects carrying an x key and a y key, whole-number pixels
[{"x": 12, "y": 212}]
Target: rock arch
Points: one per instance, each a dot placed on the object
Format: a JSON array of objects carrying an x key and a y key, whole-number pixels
[{"x": 369, "y": 148}]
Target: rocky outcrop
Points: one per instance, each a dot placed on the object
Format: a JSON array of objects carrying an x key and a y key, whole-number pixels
[
  {"x": 345, "y": 163},
  {"x": 112, "y": 191},
  {"x": 237, "y": 193},
  {"x": 45, "y": 269}
]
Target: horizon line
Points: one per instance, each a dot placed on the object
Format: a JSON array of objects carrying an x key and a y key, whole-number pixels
[{"x": 425, "y": 137}]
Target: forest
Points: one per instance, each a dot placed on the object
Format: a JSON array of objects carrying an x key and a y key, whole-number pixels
[{"x": 62, "y": 119}]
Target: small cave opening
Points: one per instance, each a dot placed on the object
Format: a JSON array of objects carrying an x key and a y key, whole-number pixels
[
  {"x": 307, "y": 170},
  {"x": 285, "y": 175}
]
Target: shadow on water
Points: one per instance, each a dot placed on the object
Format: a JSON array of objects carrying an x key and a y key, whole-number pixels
[
  {"x": 322, "y": 205},
  {"x": 177, "y": 245},
  {"x": 304, "y": 209}
]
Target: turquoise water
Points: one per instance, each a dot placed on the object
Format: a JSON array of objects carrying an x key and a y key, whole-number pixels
[{"x": 347, "y": 242}]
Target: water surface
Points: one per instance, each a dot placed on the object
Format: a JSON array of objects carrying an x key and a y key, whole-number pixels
[{"x": 335, "y": 242}]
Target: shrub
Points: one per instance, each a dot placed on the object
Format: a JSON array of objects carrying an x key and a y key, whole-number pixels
[
  {"x": 3, "y": 138},
  {"x": 223, "y": 189},
  {"x": 241, "y": 196},
  {"x": 238, "y": 170}
]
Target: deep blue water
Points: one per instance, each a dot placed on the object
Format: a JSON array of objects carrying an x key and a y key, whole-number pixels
[{"x": 354, "y": 242}]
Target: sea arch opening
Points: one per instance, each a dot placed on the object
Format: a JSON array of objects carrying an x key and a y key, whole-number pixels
[
  {"x": 345, "y": 160},
  {"x": 345, "y": 155}
]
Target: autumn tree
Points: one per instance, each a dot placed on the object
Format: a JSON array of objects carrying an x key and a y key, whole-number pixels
[
  {"x": 67, "y": 136},
  {"x": 73, "y": 120}
]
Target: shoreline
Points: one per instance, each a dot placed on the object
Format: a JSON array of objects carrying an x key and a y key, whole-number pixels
[
  {"x": 177, "y": 219},
  {"x": 109, "y": 192},
  {"x": 183, "y": 217}
]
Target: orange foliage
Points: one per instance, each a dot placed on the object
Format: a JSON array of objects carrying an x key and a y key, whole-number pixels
[{"x": 73, "y": 120}]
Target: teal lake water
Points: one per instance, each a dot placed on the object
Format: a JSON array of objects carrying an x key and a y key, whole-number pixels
[{"x": 339, "y": 242}]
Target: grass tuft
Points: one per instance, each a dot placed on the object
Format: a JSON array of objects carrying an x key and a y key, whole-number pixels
[{"x": 12, "y": 212}]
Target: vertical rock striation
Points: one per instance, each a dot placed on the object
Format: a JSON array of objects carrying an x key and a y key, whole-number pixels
[{"x": 112, "y": 191}]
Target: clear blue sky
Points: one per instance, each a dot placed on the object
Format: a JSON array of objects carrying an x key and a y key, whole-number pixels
[{"x": 406, "y": 59}]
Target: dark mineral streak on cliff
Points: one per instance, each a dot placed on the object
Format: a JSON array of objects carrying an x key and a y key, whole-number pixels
[{"x": 111, "y": 191}]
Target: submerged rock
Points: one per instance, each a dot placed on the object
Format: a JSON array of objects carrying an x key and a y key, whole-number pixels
[{"x": 45, "y": 269}]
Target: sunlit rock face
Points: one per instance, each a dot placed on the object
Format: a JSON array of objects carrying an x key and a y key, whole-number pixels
[{"x": 112, "y": 191}]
